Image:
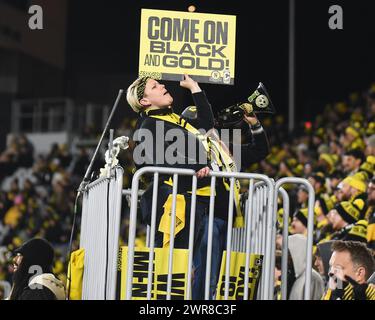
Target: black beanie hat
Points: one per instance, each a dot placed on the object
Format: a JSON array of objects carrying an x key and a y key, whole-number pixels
[
  {"x": 348, "y": 211},
  {"x": 301, "y": 215},
  {"x": 37, "y": 252}
]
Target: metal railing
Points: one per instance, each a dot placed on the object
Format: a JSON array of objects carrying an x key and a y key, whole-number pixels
[
  {"x": 310, "y": 231},
  {"x": 100, "y": 227},
  {"x": 258, "y": 236},
  {"x": 186, "y": 172}
]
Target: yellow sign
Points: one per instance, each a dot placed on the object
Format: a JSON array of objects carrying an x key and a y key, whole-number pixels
[
  {"x": 237, "y": 276},
  {"x": 159, "y": 276},
  {"x": 200, "y": 44}
]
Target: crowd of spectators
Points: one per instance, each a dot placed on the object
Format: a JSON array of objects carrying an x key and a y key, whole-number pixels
[{"x": 335, "y": 151}]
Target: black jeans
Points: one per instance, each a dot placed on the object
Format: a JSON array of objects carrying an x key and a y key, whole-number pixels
[{"x": 181, "y": 240}]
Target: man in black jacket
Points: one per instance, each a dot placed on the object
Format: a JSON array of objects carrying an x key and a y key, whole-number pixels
[
  {"x": 33, "y": 278},
  {"x": 254, "y": 149}
]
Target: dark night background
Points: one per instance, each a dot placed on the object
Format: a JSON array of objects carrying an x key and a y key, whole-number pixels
[
  {"x": 103, "y": 39},
  {"x": 101, "y": 46}
]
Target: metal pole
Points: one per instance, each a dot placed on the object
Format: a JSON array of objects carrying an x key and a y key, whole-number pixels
[
  {"x": 229, "y": 238},
  {"x": 152, "y": 235},
  {"x": 284, "y": 258},
  {"x": 291, "y": 82},
  {"x": 269, "y": 273},
  {"x": 247, "y": 264},
  {"x": 171, "y": 236},
  {"x": 310, "y": 228},
  {"x": 209, "y": 243},
  {"x": 191, "y": 236}
]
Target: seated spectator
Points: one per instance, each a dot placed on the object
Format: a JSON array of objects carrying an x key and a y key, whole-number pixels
[
  {"x": 351, "y": 264},
  {"x": 35, "y": 256},
  {"x": 297, "y": 268}
]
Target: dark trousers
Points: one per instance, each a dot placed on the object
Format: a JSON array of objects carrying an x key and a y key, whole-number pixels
[{"x": 181, "y": 240}]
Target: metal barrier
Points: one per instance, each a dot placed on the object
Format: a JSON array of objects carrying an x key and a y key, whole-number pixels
[
  {"x": 284, "y": 258},
  {"x": 6, "y": 288},
  {"x": 310, "y": 230},
  {"x": 264, "y": 201},
  {"x": 100, "y": 226}
]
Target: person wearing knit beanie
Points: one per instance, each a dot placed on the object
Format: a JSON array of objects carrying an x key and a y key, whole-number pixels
[
  {"x": 371, "y": 214},
  {"x": 329, "y": 161},
  {"x": 348, "y": 213},
  {"x": 323, "y": 205},
  {"x": 358, "y": 232},
  {"x": 33, "y": 278},
  {"x": 368, "y": 169},
  {"x": 342, "y": 218},
  {"x": 353, "y": 189},
  {"x": 353, "y": 139},
  {"x": 299, "y": 222},
  {"x": 317, "y": 180}
]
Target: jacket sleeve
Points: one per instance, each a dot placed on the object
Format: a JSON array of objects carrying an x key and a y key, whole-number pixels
[
  {"x": 253, "y": 151},
  {"x": 205, "y": 117},
  {"x": 37, "y": 294}
]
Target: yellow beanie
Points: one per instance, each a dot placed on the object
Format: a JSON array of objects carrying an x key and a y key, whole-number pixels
[
  {"x": 371, "y": 159},
  {"x": 358, "y": 232},
  {"x": 352, "y": 131},
  {"x": 331, "y": 159},
  {"x": 356, "y": 183}
]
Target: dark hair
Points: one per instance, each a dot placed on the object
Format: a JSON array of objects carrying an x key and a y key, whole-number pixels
[
  {"x": 359, "y": 253},
  {"x": 318, "y": 177},
  {"x": 356, "y": 153},
  {"x": 338, "y": 174}
]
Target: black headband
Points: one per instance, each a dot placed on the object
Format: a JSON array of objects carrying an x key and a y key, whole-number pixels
[{"x": 141, "y": 87}]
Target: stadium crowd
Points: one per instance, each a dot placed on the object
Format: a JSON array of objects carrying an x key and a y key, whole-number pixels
[{"x": 335, "y": 151}]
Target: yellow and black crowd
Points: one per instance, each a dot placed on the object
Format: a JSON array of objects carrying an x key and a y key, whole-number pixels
[{"x": 335, "y": 151}]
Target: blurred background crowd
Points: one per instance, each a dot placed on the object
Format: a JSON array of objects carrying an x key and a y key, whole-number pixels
[{"x": 335, "y": 151}]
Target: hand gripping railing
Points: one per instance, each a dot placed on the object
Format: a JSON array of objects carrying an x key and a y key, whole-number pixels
[{"x": 310, "y": 230}]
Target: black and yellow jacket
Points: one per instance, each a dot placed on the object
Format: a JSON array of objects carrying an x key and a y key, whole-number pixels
[
  {"x": 371, "y": 231},
  {"x": 155, "y": 149},
  {"x": 350, "y": 292},
  {"x": 359, "y": 201}
]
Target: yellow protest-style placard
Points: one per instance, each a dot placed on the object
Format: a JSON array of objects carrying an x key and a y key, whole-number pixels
[
  {"x": 237, "y": 276},
  {"x": 160, "y": 273},
  {"x": 173, "y": 43}
]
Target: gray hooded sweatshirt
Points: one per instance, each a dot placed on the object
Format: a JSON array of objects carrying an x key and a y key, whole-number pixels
[{"x": 297, "y": 247}]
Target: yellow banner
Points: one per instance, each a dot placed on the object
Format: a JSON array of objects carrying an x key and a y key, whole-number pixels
[
  {"x": 237, "y": 276},
  {"x": 160, "y": 272},
  {"x": 200, "y": 44}
]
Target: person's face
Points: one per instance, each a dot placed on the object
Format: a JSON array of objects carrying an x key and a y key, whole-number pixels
[
  {"x": 369, "y": 151},
  {"x": 316, "y": 185},
  {"x": 155, "y": 95},
  {"x": 17, "y": 261},
  {"x": 302, "y": 196},
  {"x": 346, "y": 192},
  {"x": 371, "y": 193},
  {"x": 350, "y": 163},
  {"x": 318, "y": 264},
  {"x": 341, "y": 265},
  {"x": 336, "y": 220},
  {"x": 297, "y": 226},
  {"x": 307, "y": 169}
]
